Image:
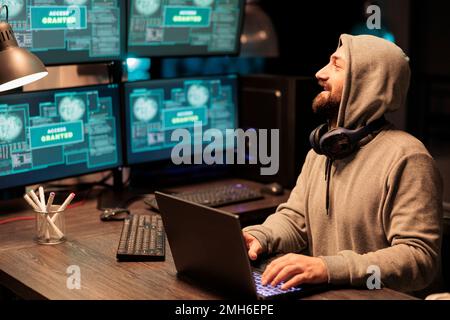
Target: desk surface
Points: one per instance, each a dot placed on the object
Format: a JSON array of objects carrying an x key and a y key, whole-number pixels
[{"x": 39, "y": 272}]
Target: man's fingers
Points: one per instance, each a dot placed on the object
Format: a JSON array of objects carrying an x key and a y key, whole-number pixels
[
  {"x": 248, "y": 238},
  {"x": 286, "y": 273},
  {"x": 270, "y": 272},
  {"x": 294, "y": 269},
  {"x": 274, "y": 267},
  {"x": 294, "y": 281},
  {"x": 253, "y": 246},
  {"x": 255, "y": 249}
]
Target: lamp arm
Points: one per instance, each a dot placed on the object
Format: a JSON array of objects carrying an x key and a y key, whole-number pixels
[{"x": 4, "y": 6}]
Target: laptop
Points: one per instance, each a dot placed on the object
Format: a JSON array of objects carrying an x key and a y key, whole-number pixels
[{"x": 208, "y": 247}]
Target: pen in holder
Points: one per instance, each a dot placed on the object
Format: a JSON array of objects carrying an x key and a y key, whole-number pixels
[
  {"x": 50, "y": 219},
  {"x": 50, "y": 226}
]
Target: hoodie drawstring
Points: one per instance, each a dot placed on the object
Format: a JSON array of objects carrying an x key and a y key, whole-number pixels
[{"x": 328, "y": 166}]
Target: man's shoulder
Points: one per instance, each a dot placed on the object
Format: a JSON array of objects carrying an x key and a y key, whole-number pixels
[
  {"x": 313, "y": 157},
  {"x": 401, "y": 143}
]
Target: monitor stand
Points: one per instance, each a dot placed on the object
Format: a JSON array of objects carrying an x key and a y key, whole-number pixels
[
  {"x": 112, "y": 198},
  {"x": 120, "y": 196}
]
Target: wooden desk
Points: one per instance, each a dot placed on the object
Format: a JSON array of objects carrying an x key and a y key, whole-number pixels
[{"x": 39, "y": 272}]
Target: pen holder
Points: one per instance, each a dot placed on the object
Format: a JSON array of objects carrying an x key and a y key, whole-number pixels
[{"x": 50, "y": 226}]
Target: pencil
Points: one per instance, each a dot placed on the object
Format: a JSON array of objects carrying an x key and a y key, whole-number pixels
[
  {"x": 42, "y": 195},
  {"x": 51, "y": 197},
  {"x": 31, "y": 202},
  {"x": 67, "y": 202},
  {"x": 35, "y": 198}
]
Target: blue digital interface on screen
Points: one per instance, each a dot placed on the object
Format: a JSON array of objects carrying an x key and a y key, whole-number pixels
[
  {"x": 154, "y": 109},
  {"x": 49, "y": 135},
  {"x": 69, "y": 31},
  {"x": 184, "y": 27}
]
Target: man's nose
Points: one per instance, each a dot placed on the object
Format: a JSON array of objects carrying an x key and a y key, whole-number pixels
[{"x": 322, "y": 75}]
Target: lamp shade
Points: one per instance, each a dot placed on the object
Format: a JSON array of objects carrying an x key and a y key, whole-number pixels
[
  {"x": 259, "y": 38},
  {"x": 18, "y": 66}
]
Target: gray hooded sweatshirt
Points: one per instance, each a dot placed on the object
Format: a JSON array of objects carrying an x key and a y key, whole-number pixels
[{"x": 385, "y": 201}]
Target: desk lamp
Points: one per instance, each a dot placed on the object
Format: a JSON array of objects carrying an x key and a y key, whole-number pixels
[
  {"x": 259, "y": 38},
  {"x": 18, "y": 66}
]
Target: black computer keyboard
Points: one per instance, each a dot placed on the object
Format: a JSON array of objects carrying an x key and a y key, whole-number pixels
[
  {"x": 214, "y": 196},
  {"x": 142, "y": 239}
]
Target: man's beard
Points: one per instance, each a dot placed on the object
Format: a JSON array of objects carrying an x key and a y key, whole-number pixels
[{"x": 326, "y": 105}]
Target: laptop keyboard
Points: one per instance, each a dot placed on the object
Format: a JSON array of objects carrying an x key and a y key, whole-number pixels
[{"x": 268, "y": 290}]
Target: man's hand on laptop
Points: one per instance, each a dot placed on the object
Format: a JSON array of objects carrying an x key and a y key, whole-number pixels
[
  {"x": 253, "y": 246},
  {"x": 295, "y": 269}
]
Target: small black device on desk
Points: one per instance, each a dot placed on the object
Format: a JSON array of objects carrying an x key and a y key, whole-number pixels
[
  {"x": 142, "y": 239},
  {"x": 214, "y": 196}
]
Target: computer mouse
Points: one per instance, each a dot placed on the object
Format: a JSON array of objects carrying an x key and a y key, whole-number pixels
[{"x": 273, "y": 189}]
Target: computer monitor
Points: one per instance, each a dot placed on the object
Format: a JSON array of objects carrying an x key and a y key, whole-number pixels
[
  {"x": 184, "y": 27},
  {"x": 154, "y": 109},
  {"x": 55, "y": 134},
  {"x": 69, "y": 31}
]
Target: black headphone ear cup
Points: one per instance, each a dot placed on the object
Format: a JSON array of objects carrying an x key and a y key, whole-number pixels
[
  {"x": 336, "y": 144},
  {"x": 315, "y": 136}
]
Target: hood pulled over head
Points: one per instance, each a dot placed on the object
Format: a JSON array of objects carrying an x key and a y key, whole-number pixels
[{"x": 376, "y": 80}]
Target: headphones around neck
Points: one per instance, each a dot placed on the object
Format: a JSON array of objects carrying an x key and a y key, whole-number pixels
[{"x": 339, "y": 143}]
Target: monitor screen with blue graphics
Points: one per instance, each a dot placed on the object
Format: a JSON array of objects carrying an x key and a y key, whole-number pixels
[
  {"x": 184, "y": 27},
  {"x": 48, "y": 135},
  {"x": 69, "y": 31},
  {"x": 155, "y": 109}
]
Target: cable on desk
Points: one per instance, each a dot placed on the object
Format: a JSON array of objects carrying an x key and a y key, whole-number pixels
[
  {"x": 80, "y": 203},
  {"x": 85, "y": 195},
  {"x": 10, "y": 220}
]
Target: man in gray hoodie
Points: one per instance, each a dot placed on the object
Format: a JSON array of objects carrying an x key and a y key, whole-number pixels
[{"x": 383, "y": 207}]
